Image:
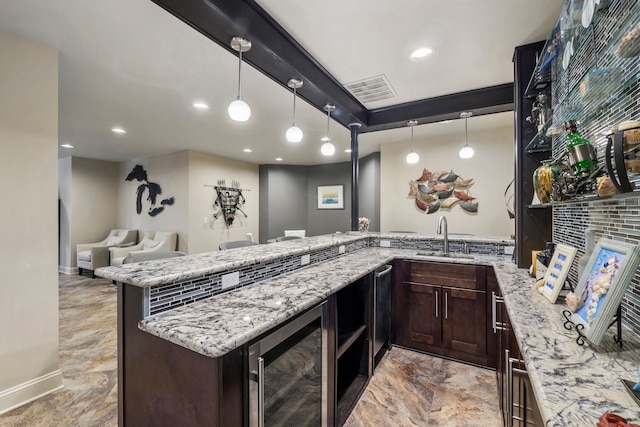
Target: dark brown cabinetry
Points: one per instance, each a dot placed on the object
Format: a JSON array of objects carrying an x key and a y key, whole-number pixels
[
  {"x": 441, "y": 308},
  {"x": 517, "y": 401}
]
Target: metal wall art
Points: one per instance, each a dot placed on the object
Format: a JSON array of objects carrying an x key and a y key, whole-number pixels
[
  {"x": 442, "y": 189},
  {"x": 139, "y": 174},
  {"x": 229, "y": 200}
]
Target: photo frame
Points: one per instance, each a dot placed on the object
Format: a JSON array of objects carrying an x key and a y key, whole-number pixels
[
  {"x": 331, "y": 197},
  {"x": 606, "y": 277},
  {"x": 557, "y": 271}
]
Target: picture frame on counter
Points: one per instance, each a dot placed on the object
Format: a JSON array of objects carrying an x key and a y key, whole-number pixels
[
  {"x": 557, "y": 271},
  {"x": 606, "y": 277},
  {"x": 331, "y": 197}
]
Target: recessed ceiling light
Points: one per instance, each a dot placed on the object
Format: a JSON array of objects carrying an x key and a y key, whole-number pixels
[
  {"x": 348, "y": 150},
  {"x": 325, "y": 139},
  {"x": 247, "y": 150},
  {"x": 118, "y": 130},
  {"x": 200, "y": 106},
  {"x": 66, "y": 146},
  {"x": 421, "y": 53},
  {"x": 278, "y": 159}
]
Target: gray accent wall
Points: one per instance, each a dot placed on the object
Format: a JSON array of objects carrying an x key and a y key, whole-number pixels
[
  {"x": 289, "y": 197},
  {"x": 324, "y": 221},
  {"x": 369, "y": 190},
  {"x": 283, "y": 200}
]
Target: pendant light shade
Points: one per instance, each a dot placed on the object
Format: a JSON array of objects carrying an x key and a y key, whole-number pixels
[
  {"x": 328, "y": 149},
  {"x": 239, "y": 110},
  {"x": 294, "y": 133},
  {"x": 412, "y": 157},
  {"x": 466, "y": 152}
]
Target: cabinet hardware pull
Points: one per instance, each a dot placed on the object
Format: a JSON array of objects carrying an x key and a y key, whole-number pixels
[
  {"x": 260, "y": 392},
  {"x": 436, "y": 304},
  {"x": 509, "y": 397},
  {"x": 446, "y": 305},
  {"x": 493, "y": 312},
  {"x": 383, "y": 273}
]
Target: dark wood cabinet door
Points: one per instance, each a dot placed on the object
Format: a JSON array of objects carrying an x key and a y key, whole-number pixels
[
  {"x": 464, "y": 326},
  {"x": 422, "y": 325}
]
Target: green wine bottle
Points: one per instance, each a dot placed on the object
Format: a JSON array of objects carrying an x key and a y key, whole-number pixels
[{"x": 582, "y": 156}]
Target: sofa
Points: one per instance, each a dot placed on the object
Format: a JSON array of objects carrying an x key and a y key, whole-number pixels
[
  {"x": 152, "y": 242},
  {"x": 90, "y": 256}
]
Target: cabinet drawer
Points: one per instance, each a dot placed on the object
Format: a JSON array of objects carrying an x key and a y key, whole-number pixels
[{"x": 453, "y": 275}]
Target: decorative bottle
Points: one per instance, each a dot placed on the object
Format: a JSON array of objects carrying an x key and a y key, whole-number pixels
[{"x": 582, "y": 156}]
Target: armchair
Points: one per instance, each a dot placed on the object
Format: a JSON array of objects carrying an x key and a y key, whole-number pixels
[
  {"x": 152, "y": 242},
  {"x": 90, "y": 256}
]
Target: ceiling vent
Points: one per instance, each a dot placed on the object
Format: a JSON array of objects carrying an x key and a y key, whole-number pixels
[{"x": 372, "y": 89}]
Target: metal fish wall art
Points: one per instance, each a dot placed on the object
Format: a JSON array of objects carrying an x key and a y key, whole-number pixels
[{"x": 442, "y": 189}]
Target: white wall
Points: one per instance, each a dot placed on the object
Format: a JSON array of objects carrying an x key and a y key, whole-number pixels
[
  {"x": 206, "y": 169},
  {"x": 491, "y": 168},
  {"x": 66, "y": 260},
  {"x": 29, "y": 230},
  {"x": 171, "y": 173}
]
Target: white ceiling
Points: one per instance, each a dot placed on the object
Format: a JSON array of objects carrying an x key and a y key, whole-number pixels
[{"x": 129, "y": 63}]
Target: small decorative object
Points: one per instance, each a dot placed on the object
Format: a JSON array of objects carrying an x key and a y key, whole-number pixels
[
  {"x": 229, "y": 200},
  {"x": 363, "y": 224},
  {"x": 609, "y": 271},
  {"x": 573, "y": 302},
  {"x": 605, "y": 187},
  {"x": 442, "y": 189},
  {"x": 548, "y": 182},
  {"x": 557, "y": 271},
  {"x": 139, "y": 174},
  {"x": 613, "y": 420},
  {"x": 331, "y": 197}
]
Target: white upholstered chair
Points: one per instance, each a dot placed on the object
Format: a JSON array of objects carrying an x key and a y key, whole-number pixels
[
  {"x": 90, "y": 256},
  {"x": 153, "y": 241}
]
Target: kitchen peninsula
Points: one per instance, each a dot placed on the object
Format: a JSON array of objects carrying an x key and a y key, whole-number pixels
[{"x": 573, "y": 384}]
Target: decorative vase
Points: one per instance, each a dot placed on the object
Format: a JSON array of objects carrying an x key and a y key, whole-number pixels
[{"x": 548, "y": 182}]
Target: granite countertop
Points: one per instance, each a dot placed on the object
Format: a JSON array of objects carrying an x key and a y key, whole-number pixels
[
  {"x": 573, "y": 384},
  {"x": 152, "y": 273}
]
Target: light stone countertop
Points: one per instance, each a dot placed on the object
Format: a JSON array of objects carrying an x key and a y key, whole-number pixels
[
  {"x": 152, "y": 273},
  {"x": 573, "y": 384}
]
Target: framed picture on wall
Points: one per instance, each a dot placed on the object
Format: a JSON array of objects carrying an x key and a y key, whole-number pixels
[
  {"x": 331, "y": 197},
  {"x": 606, "y": 277},
  {"x": 557, "y": 271}
]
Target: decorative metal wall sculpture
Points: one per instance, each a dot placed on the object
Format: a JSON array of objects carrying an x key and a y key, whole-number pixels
[
  {"x": 229, "y": 200},
  {"x": 442, "y": 189},
  {"x": 139, "y": 174}
]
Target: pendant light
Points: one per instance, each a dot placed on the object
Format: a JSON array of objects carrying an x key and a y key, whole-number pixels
[
  {"x": 466, "y": 152},
  {"x": 412, "y": 157},
  {"x": 238, "y": 109},
  {"x": 328, "y": 148},
  {"x": 294, "y": 133}
]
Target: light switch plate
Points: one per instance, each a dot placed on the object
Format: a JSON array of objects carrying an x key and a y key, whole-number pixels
[
  {"x": 306, "y": 259},
  {"x": 385, "y": 243},
  {"x": 508, "y": 250},
  {"x": 341, "y": 249},
  {"x": 230, "y": 280}
]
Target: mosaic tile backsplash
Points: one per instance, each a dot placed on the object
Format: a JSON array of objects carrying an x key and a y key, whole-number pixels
[{"x": 599, "y": 89}]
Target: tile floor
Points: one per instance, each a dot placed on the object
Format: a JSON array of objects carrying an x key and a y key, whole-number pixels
[{"x": 409, "y": 388}]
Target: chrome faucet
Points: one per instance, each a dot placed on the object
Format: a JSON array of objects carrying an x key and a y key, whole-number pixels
[{"x": 443, "y": 219}]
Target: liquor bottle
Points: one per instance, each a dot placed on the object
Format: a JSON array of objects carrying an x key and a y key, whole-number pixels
[{"x": 582, "y": 155}]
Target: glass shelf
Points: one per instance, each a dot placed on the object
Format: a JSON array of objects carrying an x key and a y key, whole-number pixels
[
  {"x": 540, "y": 143},
  {"x": 586, "y": 199}
]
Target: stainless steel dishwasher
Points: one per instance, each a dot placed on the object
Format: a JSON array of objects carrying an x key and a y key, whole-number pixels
[
  {"x": 382, "y": 312},
  {"x": 288, "y": 373}
]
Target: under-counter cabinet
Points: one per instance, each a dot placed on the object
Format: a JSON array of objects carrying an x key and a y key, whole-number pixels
[
  {"x": 353, "y": 357},
  {"x": 517, "y": 401},
  {"x": 441, "y": 308}
]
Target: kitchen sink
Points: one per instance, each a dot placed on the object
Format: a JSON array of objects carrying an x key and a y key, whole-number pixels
[{"x": 445, "y": 255}]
